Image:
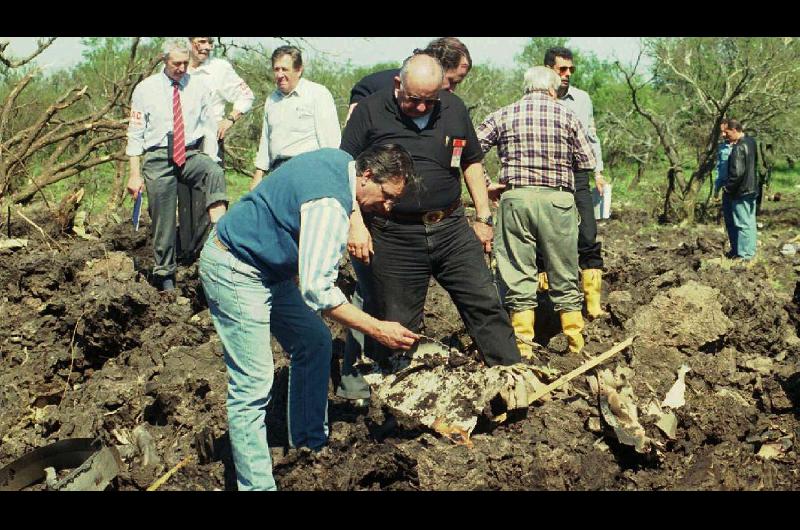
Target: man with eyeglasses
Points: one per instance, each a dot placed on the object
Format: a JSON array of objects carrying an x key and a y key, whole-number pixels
[
  {"x": 450, "y": 51},
  {"x": 590, "y": 258},
  {"x": 426, "y": 233},
  {"x": 457, "y": 62},
  {"x": 225, "y": 87}
]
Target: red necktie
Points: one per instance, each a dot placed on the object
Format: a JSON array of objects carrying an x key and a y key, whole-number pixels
[{"x": 178, "y": 138}]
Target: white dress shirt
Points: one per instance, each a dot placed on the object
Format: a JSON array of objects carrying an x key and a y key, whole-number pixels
[
  {"x": 323, "y": 239},
  {"x": 151, "y": 112},
  {"x": 226, "y": 86},
  {"x": 579, "y": 102},
  {"x": 301, "y": 121}
]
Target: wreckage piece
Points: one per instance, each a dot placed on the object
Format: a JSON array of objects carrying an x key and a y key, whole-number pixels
[
  {"x": 430, "y": 392},
  {"x": 675, "y": 397},
  {"x": 93, "y": 475},
  {"x": 30, "y": 468},
  {"x": 618, "y": 407}
]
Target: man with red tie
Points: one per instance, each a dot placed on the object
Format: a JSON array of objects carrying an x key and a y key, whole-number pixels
[{"x": 169, "y": 111}]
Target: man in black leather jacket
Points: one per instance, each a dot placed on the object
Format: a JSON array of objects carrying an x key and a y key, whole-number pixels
[{"x": 740, "y": 193}]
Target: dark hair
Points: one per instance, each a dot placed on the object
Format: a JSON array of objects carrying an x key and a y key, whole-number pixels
[
  {"x": 735, "y": 125},
  {"x": 449, "y": 51},
  {"x": 291, "y": 51},
  {"x": 387, "y": 162},
  {"x": 556, "y": 51},
  {"x": 724, "y": 121}
]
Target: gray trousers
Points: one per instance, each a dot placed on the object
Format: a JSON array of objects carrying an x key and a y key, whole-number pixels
[
  {"x": 161, "y": 179},
  {"x": 545, "y": 219}
]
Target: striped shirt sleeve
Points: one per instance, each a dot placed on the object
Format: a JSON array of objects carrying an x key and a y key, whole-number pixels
[{"x": 323, "y": 237}]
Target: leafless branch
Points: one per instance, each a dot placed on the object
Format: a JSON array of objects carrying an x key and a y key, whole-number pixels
[{"x": 41, "y": 45}]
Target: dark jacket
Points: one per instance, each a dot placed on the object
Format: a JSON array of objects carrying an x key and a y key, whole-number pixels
[{"x": 742, "y": 177}]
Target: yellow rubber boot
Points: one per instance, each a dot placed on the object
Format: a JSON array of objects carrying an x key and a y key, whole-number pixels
[
  {"x": 522, "y": 322},
  {"x": 572, "y": 326},
  {"x": 543, "y": 285},
  {"x": 592, "y": 280}
]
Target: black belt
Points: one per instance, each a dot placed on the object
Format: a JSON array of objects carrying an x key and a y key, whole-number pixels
[
  {"x": 191, "y": 147},
  {"x": 278, "y": 161},
  {"x": 510, "y": 186},
  {"x": 428, "y": 218}
]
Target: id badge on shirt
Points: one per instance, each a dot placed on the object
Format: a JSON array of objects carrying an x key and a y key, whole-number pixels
[{"x": 458, "y": 148}]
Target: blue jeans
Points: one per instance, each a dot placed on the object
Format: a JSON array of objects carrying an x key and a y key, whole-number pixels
[
  {"x": 245, "y": 307},
  {"x": 740, "y": 222}
]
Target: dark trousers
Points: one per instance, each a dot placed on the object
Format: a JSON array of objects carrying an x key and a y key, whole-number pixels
[
  {"x": 408, "y": 254},
  {"x": 161, "y": 178},
  {"x": 193, "y": 221},
  {"x": 590, "y": 255}
]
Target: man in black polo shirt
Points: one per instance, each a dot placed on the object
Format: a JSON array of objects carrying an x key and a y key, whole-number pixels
[
  {"x": 450, "y": 51},
  {"x": 456, "y": 61},
  {"x": 426, "y": 232}
]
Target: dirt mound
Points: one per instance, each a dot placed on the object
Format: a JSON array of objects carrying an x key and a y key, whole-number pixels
[{"x": 91, "y": 349}]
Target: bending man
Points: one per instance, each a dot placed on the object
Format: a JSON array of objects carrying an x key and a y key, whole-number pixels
[{"x": 293, "y": 223}]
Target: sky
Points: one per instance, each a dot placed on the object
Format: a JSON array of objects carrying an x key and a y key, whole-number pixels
[{"x": 361, "y": 51}]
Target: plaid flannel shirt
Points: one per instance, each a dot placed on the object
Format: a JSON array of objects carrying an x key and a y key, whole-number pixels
[{"x": 539, "y": 141}]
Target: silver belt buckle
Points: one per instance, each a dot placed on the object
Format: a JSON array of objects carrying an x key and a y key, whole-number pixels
[{"x": 433, "y": 217}]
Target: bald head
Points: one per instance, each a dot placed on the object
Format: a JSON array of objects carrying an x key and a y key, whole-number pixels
[{"x": 422, "y": 71}]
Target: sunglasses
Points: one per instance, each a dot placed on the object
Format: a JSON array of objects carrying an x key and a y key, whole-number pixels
[
  {"x": 416, "y": 100},
  {"x": 563, "y": 69}
]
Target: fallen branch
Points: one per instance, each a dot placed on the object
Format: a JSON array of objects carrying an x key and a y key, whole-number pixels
[
  {"x": 71, "y": 356},
  {"x": 160, "y": 482},
  {"x": 19, "y": 212},
  {"x": 582, "y": 369}
]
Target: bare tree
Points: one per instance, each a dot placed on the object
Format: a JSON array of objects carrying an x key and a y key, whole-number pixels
[
  {"x": 68, "y": 136},
  {"x": 704, "y": 80}
]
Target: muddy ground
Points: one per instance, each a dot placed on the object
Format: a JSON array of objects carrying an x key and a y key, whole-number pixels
[{"x": 88, "y": 348}]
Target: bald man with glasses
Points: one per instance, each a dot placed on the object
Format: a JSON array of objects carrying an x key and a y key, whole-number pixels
[{"x": 426, "y": 233}]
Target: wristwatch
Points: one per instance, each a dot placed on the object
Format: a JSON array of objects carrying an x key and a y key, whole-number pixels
[{"x": 488, "y": 220}]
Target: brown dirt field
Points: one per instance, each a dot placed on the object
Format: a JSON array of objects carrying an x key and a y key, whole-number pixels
[{"x": 88, "y": 348}]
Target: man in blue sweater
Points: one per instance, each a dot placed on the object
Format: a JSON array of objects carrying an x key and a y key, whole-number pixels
[{"x": 293, "y": 225}]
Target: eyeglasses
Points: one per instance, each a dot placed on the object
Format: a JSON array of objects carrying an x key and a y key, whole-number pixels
[
  {"x": 417, "y": 100},
  {"x": 563, "y": 69}
]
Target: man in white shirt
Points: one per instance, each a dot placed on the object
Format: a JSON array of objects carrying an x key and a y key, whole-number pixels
[
  {"x": 299, "y": 116},
  {"x": 165, "y": 135},
  {"x": 226, "y": 87}
]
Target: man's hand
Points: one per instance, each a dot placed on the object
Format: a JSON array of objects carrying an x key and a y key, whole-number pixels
[
  {"x": 223, "y": 127},
  {"x": 599, "y": 182},
  {"x": 494, "y": 190},
  {"x": 485, "y": 235},
  {"x": 394, "y": 336},
  {"x": 135, "y": 185},
  {"x": 359, "y": 241}
]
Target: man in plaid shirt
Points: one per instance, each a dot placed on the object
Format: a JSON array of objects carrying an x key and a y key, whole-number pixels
[{"x": 540, "y": 144}]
